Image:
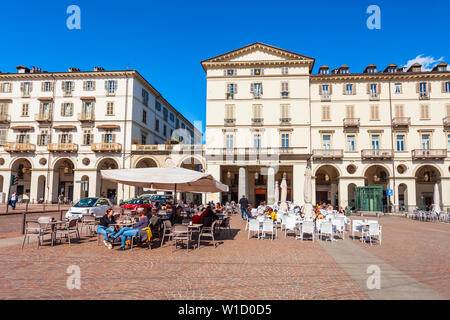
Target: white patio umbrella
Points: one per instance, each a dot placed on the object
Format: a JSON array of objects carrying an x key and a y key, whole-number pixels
[
  {"x": 277, "y": 192},
  {"x": 166, "y": 179},
  {"x": 283, "y": 194},
  {"x": 436, "y": 199},
  {"x": 307, "y": 195}
]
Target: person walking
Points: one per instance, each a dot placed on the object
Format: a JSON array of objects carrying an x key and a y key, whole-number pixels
[
  {"x": 13, "y": 200},
  {"x": 244, "y": 205}
]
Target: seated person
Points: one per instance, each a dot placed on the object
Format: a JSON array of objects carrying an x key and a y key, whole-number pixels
[
  {"x": 104, "y": 228},
  {"x": 210, "y": 213},
  {"x": 177, "y": 218},
  {"x": 197, "y": 218},
  {"x": 218, "y": 208},
  {"x": 127, "y": 233},
  {"x": 155, "y": 220},
  {"x": 249, "y": 213}
]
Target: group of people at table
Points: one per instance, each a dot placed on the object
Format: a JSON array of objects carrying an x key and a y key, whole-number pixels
[{"x": 148, "y": 221}]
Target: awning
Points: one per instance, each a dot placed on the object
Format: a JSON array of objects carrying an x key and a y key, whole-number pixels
[
  {"x": 66, "y": 127},
  {"x": 23, "y": 128},
  {"x": 108, "y": 126},
  {"x": 167, "y": 179}
]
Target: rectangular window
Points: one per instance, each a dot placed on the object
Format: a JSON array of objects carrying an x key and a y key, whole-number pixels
[
  {"x": 425, "y": 141},
  {"x": 325, "y": 90},
  {"x": 284, "y": 70},
  {"x": 87, "y": 137},
  {"x": 89, "y": 85},
  {"x": 67, "y": 87},
  {"x": 109, "y": 137},
  {"x": 326, "y": 142},
  {"x": 3, "y": 136},
  {"x": 256, "y": 90},
  {"x": 424, "y": 112},
  {"x": 229, "y": 139},
  {"x": 229, "y": 112},
  {"x": 285, "y": 140},
  {"x": 23, "y": 137},
  {"x": 47, "y": 86},
  {"x": 43, "y": 138},
  {"x": 110, "y": 109},
  {"x": 398, "y": 88},
  {"x": 165, "y": 114},
  {"x": 144, "y": 116},
  {"x": 157, "y": 125},
  {"x": 257, "y": 72},
  {"x": 26, "y": 88},
  {"x": 399, "y": 111},
  {"x": 230, "y": 72},
  {"x": 351, "y": 143},
  {"x": 171, "y": 117},
  {"x": 448, "y": 142},
  {"x": 373, "y": 90},
  {"x": 65, "y": 137},
  {"x": 5, "y": 87},
  {"x": 447, "y": 87},
  {"x": 375, "y": 142},
  {"x": 257, "y": 140},
  {"x": 67, "y": 109},
  {"x": 157, "y": 105},
  {"x": 143, "y": 138},
  {"x": 165, "y": 130},
  {"x": 257, "y": 112},
  {"x": 349, "y": 89},
  {"x": 374, "y": 113},
  {"x": 326, "y": 113},
  {"x": 111, "y": 86},
  {"x": 145, "y": 96},
  {"x": 25, "y": 110},
  {"x": 350, "y": 112},
  {"x": 285, "y": 89},
  {"x": 285, "y": 112},
  {"x": 400, "y": 143}
]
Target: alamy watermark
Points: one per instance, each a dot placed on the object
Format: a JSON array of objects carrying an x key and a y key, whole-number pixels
[
  {"x": 74, "y": 20},
  {"x": 374, "y": 280},
  {"x": 74, "y": 278},
  {"x": 374, "y": 20}
]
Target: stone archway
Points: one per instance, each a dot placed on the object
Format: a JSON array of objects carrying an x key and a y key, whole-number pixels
[
  {"x": 22, "y": 169},
  {"x": 426, "y": 176},
  {"x": 84, "y": 190},
  {"x": 351, "y": 194},
  {"x": 40, "y": 195},
  {"x": 402, "y": 197},
  {"x": 145, "y": 162},
  {"x": 105, "y": 188},
  {"x": 192, "y": 163},
  {"x": 327, "y": 185},
  {"x": 63, "y": 180},
  {"x": 378, "y": 175}
]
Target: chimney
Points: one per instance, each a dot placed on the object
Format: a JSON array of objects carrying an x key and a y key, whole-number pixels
[
  {"x": 22, "y": 69},
  {"x": 74, "y": 70},
  {"x": 97, "y": 69}
]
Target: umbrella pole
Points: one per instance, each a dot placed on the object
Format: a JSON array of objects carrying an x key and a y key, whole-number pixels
[{"x": 175, "y": 196}]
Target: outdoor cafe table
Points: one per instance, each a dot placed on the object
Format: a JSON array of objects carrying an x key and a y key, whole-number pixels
[
  {"x": 53, "y": 225},
  {"x": 121, "y": 225},
  {"x": 194, "y": 228}
]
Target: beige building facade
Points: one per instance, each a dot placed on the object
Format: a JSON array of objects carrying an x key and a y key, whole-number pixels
[
  {"x": 59, "y": 129},
  {"x": 269, "y": 116}
]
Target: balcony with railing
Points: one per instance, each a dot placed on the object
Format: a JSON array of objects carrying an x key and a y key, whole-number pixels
[
  {"x": 86, "y": 117},
  {"x": 401, "y": 122},
  {"x": 106, "y": 147},
  {"x": 377, "y": 154},
  {"x": 328, "y": 154},
  {"x": 446, "y": 122},
  {"x": 19, "y": 147},
  {"x": 229, "y": 122},
  {"x": 43, "y": 117},
  {"x": 351, "y": 122},
  {"x": 427, "y": 154},
  {"x": 5, "y": 118},
  {"x": 62, "y": 147}
]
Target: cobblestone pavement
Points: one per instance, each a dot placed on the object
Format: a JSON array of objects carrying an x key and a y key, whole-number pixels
[
  {"x": 237, "y": 269},
  {"x": 419, "y": 249}
]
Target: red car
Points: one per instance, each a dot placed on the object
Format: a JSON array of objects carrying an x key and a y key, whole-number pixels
[{"x": 137, "y": 203}]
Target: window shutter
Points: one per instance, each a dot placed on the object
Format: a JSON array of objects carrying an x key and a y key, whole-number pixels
[
  {"x": 429, "y": 87},
  {"x": 228, "y": 87},
  {"x": 448, "y": 110},
  {"x": 31, "y": 86},
  {"x": 235, "y": 88},
  {"x": 43, "y": 86},
  {"x": 417, "y": 87},
  {"x": 377, "y": 113},
  {"x": 106, "y": 84},
  {"x": 344, "y": 88},
  {"x": 251, "y": 88},
  {"x": 330, "y": 89},
  {"x": 84, "y": 85},
  {"x": 113, "y": 137},
  {"x": 22, "y": 86},
  {"x": 224, "y": 72},
  {"x": 443, "y": 87},
  {"x": 70, "y": 138},
  {"x": 368, "y": 88},
  {"x": 354, "y": 89},
  {"x": 71, "y": 109},
  {"x": 320, "y": 89},
  {"x": 261, "y": 88},
  {"x": 378, "y": 88},
  {"x": 27, "y": 138},
  {"x": 1, "y": 87}
]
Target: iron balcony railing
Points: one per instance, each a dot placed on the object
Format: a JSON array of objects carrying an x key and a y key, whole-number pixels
[
  {"x": 43, "y": 117},
  {"x": 4, "y": 118},
  {"x": 86, "y": 116}
]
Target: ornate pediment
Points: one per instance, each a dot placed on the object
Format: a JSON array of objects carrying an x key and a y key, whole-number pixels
[{"x": 257, "y": 53}]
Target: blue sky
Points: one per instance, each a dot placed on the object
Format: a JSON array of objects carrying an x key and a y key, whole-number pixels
[{"x": 166, "y": 40}]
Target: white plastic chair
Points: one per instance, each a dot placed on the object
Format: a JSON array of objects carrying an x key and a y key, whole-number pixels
[
  {"x": 290, "y": 225},
  {"x": 268, "y": 227},
  {"x": 339, "y": 226},
  {"x": 326, "y": 228},
  {"x": 307, "y": 228},
  {"x": 374, "y": 230},
  {"x": 253, "y": 226},
  {"x": 356, "y": 227}
]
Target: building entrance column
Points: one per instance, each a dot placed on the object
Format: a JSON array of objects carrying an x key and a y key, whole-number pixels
[
  {"x": 270, "y": 185},
  {"x": 242, "y": 186}
]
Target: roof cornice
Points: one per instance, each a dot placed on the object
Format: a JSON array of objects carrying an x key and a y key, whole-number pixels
[{"x": 380, "y": 76}]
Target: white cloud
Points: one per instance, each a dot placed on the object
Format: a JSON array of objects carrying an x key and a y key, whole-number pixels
[{"x": 427, "y": 62}]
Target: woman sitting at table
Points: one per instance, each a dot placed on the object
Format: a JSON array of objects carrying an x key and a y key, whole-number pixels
[
  {"x": 197, "y": 218},
  {"x": 104, "y": 228},
  {"x": 126, "y": 233},
  {"x": 269, "y": 211}
]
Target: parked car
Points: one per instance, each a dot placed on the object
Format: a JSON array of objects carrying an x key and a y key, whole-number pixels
[
  {"x": 137, "y": 203},
  {"x": 89, "y": 206}
]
